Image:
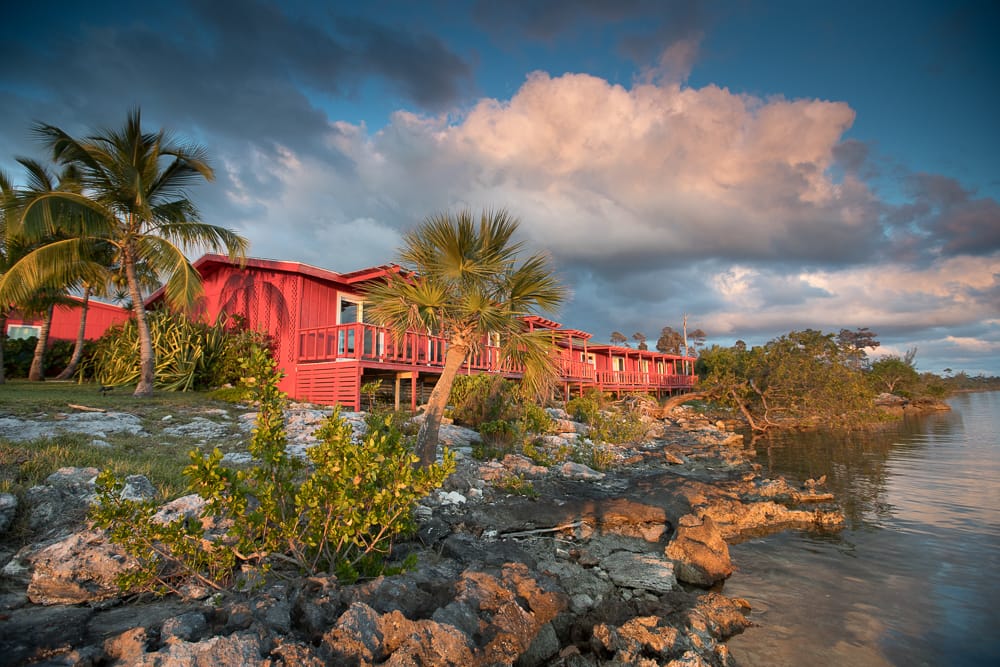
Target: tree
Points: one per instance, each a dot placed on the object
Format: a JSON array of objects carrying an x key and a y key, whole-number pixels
[
  {"x": 855, "y": 342},
  {"x": 670, "y": 341},
  {"x": 7, "y": 199},
  {"x": 697, "y": 339},
  {"x": 798, "y": 380},
  {"x": 618, "y": 338},
  {"x": 640, "y": 339},
  {"x": 462, "y": 279},
  {"x": 133, "y": 197},
  {"x": 894, "y": 375},
  {"x": 42, "y": 301}
]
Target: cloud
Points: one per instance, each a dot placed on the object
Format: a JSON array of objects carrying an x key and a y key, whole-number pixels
[{"x": 948, "y": 218}]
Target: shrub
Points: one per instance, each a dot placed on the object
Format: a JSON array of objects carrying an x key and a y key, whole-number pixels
[
  {"x": 536, "y": 420},
  {"x": 585, "y": 408},
  {"x": 517, "y": 485},
  {"x": 598, "y": 457},
  {"x": 500, "y": 435},
  {"x": 18, "y": 353},
  {"x": 189, "y": 354},
  {"x": 339, "y": 514},
  {"x": 484, "y": 398}
]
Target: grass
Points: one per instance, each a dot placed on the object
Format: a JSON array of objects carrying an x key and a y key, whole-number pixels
[{"x": 158, "y": 456}]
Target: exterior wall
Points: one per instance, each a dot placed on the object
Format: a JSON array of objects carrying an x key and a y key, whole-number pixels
[
  {"x": 66, "y": 320},
  {"x": 268, "y": 301}
]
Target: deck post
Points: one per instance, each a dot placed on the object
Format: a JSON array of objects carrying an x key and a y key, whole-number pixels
[{"x": 413, "y": 391}]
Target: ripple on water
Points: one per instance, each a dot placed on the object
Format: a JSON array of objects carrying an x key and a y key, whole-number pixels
[{"x": 911, "y": 580}]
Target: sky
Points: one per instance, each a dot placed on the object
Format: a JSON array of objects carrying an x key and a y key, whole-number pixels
[{"x": 758, "y": 167}]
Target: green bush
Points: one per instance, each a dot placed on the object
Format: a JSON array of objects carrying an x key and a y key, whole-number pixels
[
  {"x": 340, "y": 514},
  {"x": 18, "y": 353},
  {"x": 535, "y": 419},
  {"x": 500, "y": 435},
  {"x": 585, "y": 408},
  {"x": 484, "y": 398},
  {"x": 598, "y": 457}
]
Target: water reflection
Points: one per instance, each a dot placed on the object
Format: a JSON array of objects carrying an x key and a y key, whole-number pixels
[{"x": 910, "y": 580}]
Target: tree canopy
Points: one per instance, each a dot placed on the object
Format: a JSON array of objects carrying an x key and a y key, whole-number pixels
[{"x": 464, "y": 280}]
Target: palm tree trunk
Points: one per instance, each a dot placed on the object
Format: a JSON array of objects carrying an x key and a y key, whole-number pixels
[
  {"x": 37, "y": 371},
  {"x": 147, "y": 358},
  {"x": 3, "y": 341},
  {"x": 80, "y": 335},
  {"x": 427, "y": 438}
]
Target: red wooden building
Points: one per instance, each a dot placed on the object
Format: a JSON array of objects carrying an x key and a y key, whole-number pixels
[
  {"x": 66, "y": 321},
  {"x": 327, "y": 348}
]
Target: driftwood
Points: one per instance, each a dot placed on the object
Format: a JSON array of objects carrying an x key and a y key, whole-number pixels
[
  {"x": 85, "y": 408},
  {"x": 542, "y": 531}
]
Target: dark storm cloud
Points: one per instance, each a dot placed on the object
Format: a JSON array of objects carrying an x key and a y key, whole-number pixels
[
  {"x": 246, "y": 70},
  {"x": 655, "y": 24},
  {"x": 944, "y": 218}
]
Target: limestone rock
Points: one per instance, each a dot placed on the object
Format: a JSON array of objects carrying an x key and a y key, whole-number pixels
[
  {"x": 137, "y": 487},
  {"x": 699, "y": 551},
  {"x": 8, "y": 510},
  {"x": 642, "y": 571},
  {"x": 638, "y": 639},
  {"x": 572, "y": 470},
  {"x": 243, "y": 648},
  {"x": 81, "y": 568}
]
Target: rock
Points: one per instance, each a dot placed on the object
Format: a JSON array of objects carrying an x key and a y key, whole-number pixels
[
  {"x": 647, "y": 572},
  {"x": 520, "y": 465},
  {"x": 573, "y": 470},
  {"x": 186, "y": 627},
  {"x": 699, "y": 552},
  {"x": 8, "y": 510},
  {"x": 241, "y": 648},
  {"x": 637, "y": 640},
  {"x": 84, "y": 567},
  {"x": 138, "y": 488},
  {"x": 356, "y": 638},
  {"x": 198, "y": 428},
  {"x": 544, "y": 646},
  {"x": 61, "y": 503},
  {"x": 189, "y": 507},
  {"x": 97, "y": 424}
]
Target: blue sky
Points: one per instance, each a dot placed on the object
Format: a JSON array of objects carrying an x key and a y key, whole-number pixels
[{"x": 757, "y": 166}]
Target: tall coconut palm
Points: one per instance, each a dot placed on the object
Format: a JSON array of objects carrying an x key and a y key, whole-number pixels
[
  {"x": 42, "y": 301},
  {"x": 134, "y": 198},
  {"x": 464, "y": 281},
  {"x": 7, "y": 196}
]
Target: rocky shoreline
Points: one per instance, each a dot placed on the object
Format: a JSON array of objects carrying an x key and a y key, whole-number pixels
[{"x": 589, "y": 568}]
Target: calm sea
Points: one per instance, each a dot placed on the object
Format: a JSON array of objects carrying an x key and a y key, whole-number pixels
[{"x": 914, "y": 578}]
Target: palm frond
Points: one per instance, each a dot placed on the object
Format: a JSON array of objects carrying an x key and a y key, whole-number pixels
[
  {"x": 183, "y": 287},
  {"x": 60, "y": 264}
]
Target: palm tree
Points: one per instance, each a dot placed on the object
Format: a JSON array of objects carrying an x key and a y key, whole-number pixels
[
  {"x": 133, "y": 197},
  {"x": 7, "y": 196},
  {"x": 463, "y": 280},
  {"x": 43, "y": 300}
]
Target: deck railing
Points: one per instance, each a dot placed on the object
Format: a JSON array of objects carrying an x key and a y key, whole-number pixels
[{"x": 376, "y": 345}]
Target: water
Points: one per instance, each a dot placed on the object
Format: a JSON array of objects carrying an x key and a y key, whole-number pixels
[{"x": 914, "y": 578}]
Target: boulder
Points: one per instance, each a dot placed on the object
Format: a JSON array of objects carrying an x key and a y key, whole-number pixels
[
  {"x": 647, "y": 572},
  {"x": 83, "y": 567},
  {"x": 699, "y": 552}
]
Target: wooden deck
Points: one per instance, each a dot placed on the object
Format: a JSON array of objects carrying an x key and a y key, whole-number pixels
[{"x": 333, "y": 361}]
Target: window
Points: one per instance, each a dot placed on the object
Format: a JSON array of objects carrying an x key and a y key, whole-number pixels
[
  {"x": 618, "y": 363},
  {"x": 22, "y": 331}
]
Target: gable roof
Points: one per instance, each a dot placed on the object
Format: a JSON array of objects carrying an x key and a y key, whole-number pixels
[{"x": 211, "y": 262}]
